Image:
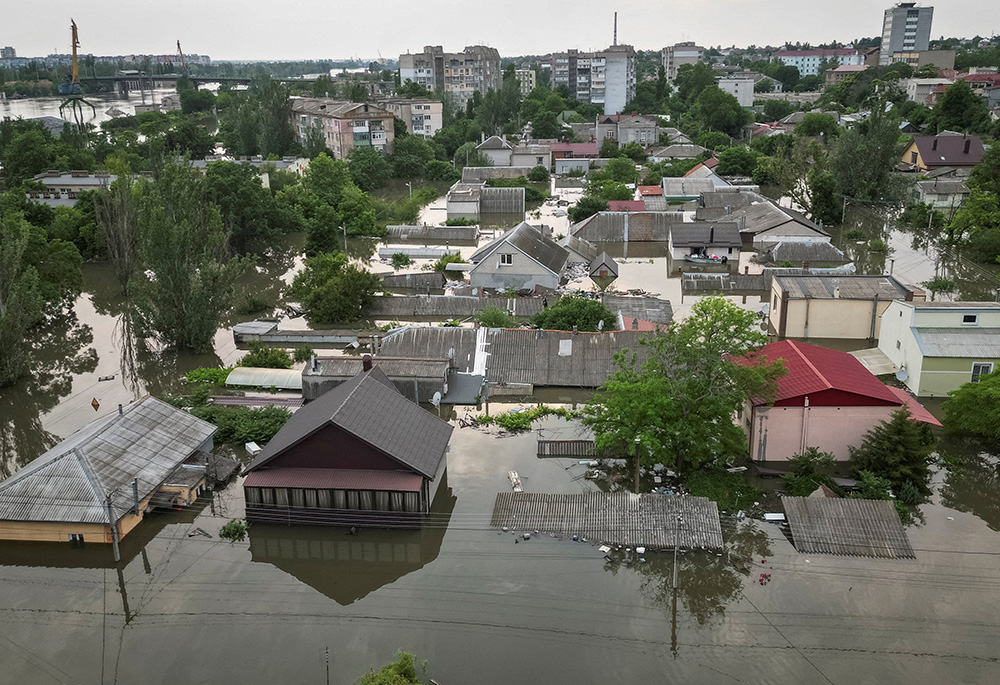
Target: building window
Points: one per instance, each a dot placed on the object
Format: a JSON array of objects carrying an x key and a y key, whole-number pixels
[
  {"x": 76, "y": 538},
  {"x": 981, "y": 369},
  {"x": 506, "y": 260},
  {"x": 775, "y": 305},
  {"x": 898, "y": 345},
  {"x": 913, "y": 158},
  {"x": 970, "y": 319}
]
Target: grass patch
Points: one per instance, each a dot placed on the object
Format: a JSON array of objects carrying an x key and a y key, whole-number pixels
[{"x": 730, "y": 491}]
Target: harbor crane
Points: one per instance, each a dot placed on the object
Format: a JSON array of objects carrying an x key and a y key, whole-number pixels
[
  {"x": 71, "y": 88},
  {"x": 184, "y": 66}
]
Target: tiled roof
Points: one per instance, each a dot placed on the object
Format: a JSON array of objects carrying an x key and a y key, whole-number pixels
[
  {"x": 589, "y": 149},
  {"x": 813, "y": 369},
  {"x": 371, "y": 408},
  {"x": 626, "y": 206},
  {"x": 949, "y": 150},
  {"x": 650, "y": 190}
]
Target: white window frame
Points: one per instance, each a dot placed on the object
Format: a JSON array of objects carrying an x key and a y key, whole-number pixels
[
  {"x": 507, "y": 259},
  {"x": 977, "y": 376},
  {"x": 974, "y": 322}
]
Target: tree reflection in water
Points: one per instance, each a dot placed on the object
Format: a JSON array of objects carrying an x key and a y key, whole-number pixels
[
  {"x": 974, "y": 488},
  {"x": 59, "y": 352},
  {"x": 707, "y": 582}
]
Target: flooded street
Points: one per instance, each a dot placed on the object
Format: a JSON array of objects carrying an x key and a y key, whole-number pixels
[
  {"x": 185, "y": 606},
  {"x": 480, "y": 608}
]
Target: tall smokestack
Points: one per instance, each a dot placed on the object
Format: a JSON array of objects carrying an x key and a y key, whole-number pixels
[{"x": 614, "y": 41}]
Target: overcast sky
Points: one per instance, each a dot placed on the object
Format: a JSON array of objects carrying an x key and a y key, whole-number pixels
[{"x": 318, "y": 29}]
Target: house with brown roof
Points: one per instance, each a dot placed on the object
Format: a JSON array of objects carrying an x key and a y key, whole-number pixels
[
  {"x": 925, "y": 153},
  {"x": 828, "y": 399},
  {"x": 360, "y": 454}
]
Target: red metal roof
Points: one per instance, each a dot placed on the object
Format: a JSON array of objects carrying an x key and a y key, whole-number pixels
[
  {"x": 335, "y": 479},
  {"x": 640, "y": 324},
  {"x": 918, "y": 410},
  {"x": 650, "y": 190},
  {"x": 576, "y": 148},
  {"x": 711, "y": 162},
  {"x": 626, "y": 206},
  {"x": 813, "y": 370}
]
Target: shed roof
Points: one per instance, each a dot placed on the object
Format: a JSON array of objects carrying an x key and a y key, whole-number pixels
[
  {"x": 603, "y": 260},
  {"x": 709, "y": 234},
  {"x": 530, "y": 241},
  {"x": 349, "y": 367},
  {"x": 852, "y": 527},
  {"x": 813, "y": 369},
  {"x": 650, "y": 190},
  {"x": 282, "y": 379},
  {"x": 687, "y": 187},
  {"x": 842, "y": 286},
  {"x": 70, "y": 482},
  {"x": 370, "y": 408},
  {"x": 959, "y": 343},
  {"x": 804, "y": 251}
]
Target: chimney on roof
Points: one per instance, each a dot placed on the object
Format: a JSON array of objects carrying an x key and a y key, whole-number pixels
[
  {"x": 121, "y": 411},
  {"x": 934, "y": 144},
  {"x": 313, "y": 364},
  {"x": 366, "y": 363},
  {"x": 968, "y": 143},
  {"x": 635, "y": 324},
  {"x": 711, "y": 235}
]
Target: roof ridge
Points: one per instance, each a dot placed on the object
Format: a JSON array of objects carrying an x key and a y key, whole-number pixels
[
  {"x": 802, "y": 355},
  {"x": 95, "y": 485}
]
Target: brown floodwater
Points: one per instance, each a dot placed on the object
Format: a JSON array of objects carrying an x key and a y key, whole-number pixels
[{"x": 183, "y": 606}]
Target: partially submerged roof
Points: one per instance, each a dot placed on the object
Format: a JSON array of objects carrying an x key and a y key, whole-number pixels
[
  {"x": 349, "y": 367},
  {"x": 529, "y": 240},
  {"x": 708, "y": 234},
  {"x": 804, "y": 251},
  {"x": 370, "y": 408},
  {"x": 851, "y": 527},
  {"x": 842, "y": 286},
  {"x": 605, "y": 262},
  {"x": 580, "y": 248},
  {"x": 282, "y": 379},
  {"x": 71, "y": 481}
]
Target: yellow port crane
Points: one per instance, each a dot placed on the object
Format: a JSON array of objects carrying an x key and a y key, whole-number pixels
[{"x": 71, "y": 88}]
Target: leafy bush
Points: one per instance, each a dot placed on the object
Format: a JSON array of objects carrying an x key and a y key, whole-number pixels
[
  {"x": 400, "y": 259},
  {"x": 461, "y": 222},
  {"x": 266, "y": 357},
  {"x": 494, "y": 317},
  {"x": 302, "y": 354},
  {"x": 855, "y": 234},
  {"x": 538, "y": 174},
  {"x": 804, "y": 476},
  {"x": 584, "y": 313},
  {"x": 518, "y": 421},
  {"x": 240, "y": 425},
  {"x": 939, "y": 285},
  {"x": 332, "y": 290},
  {"x": 878, "y": 246},
  {"x": 730, "y": 491},
  {"x": 441, "y": 265},
  {"x": 208, "y": 374},
  {"x": 401, "y": 672},
  {"x": 254, "y": 305},
  {"x": 235, "y": 530}
]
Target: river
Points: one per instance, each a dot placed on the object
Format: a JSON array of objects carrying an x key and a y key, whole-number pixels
[
  {"x": 29, "y": 108},
  {"x": 477, "y": 606}
]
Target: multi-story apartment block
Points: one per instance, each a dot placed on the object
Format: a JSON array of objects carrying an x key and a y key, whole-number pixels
[
  {"x": 421, "y": 115},
  {"x": 681, "y": 53},
  {"x": 526, "y": 77},
  {"x": 458, "y": 74},
  {"x": 605, "y": 78},
  {"x": 8, "y": 53},
  {"x": 345, "y": 125},
  {"x": 808, "y": 62},
  {"x": 905, "y": 28},
  {"x": 740, "y": 87}
]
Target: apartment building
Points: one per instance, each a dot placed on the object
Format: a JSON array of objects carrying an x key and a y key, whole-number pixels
[
  {"x": 740, "y": 87},
  {"x": 680, "y": 53},
  {"x": 905, "y": 28},
  {"x": 458, "y": 74},
  {"x": 808, "y": 61},
  {"x": 345, "y": 125},
  {"x": 526, "y": 77},
  {"x": 605, "y": 78},
  {"x": 422, "y": 116}
]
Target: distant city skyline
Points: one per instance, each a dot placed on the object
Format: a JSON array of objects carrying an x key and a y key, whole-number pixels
[{"x": 255, "y": 30}]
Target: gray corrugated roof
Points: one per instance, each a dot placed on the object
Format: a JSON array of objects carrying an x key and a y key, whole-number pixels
[
  {"x": 436, "y": 234},
  {"x": 371, "y": 408},
  {"x": 686, "y": 187},
  {"x": 811, "y": 251},
  {"x": 705, "y": 235},
  {"x": 70, "y": 481},
  {"x": 645, "y": 308},
  {"x": 609, "y": 227},
  {"x": 680, "y": 151},
  {"x": 532, "y": 243},
  {"x": 944, "y": 186},
  {"x": 853, "y": 527},
  {"x": 348, "y": 367},
  {"x": 961, "y": 343},
  {"x": 283, "y": 379},
  {"x": 584, "y": 248},
  {"x": 847, "y": 287},
  {"x": 432, "y": 342},
  {"x": 603, "y": 260},
  {"x": 727, "y": 198}
]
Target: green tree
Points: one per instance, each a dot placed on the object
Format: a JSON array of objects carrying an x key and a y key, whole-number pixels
[
  {"x": 587, "y": 206},
  {"x": 864, "y": 158},
  {"x": 736, "y": 161},
  {"x": 314, "y": 141},
  {"x": 332, "y": 291},
  {"x": 609, "y": 149},
  {"x": 410, "y": 155},
  {"x": 788, "y": 75},
  {"x": 439, "y": 170},
  {"x": 718, "y": 110},
  {"x": 621, "y": 169},
  {"x": 193, "y": 101},
  {"x": 777, "y": 109},
  {"x": 467, "y": 154},
  {"x": 899, "y": 450},
  {"x": 680, "y": 403},
  {"x": 975, "y": 407},
  {"x": 818, "y": 124},
  {"x": 539, "y": 174},
  {"x": 116, "y": 212},
  {"x": 805, "y": 474},
  {"x": 247, "y": 207},
  {"x": 713, "y": 140},
  {"x": 692, "y": 79},
  {"x": 327, "y": 179},
  {"x": 545, "y": 125},
  {"x": 368, "y": 168},
  {"x": 582, "y": 312},
  {"x": 403, "y": 671},
  {"x": 188, "y": 284},
  {"x": 187, "y": 138},
  {"x": 959, "y": 109},
  {"x": 495, "y": 317},
  {"x": 21, "y": 302}
]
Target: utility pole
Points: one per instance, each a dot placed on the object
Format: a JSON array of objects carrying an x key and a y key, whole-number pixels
[
  {"x": 114, "y": 529},
  {"x": 637, "y": 465},
  {"x": 677, "y": 543}
]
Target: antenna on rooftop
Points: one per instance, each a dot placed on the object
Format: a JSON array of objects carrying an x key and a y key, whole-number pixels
[{"x": 614, "y": 40}]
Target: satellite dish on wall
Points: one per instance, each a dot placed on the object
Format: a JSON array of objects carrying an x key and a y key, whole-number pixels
[
  {"x": 436, "y": 400},
  {"x": 902, "y": 375},
  {"x": 765, "y": 309}
]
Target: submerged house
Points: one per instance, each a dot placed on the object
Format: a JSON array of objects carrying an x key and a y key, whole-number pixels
[
  {"x": 708, "y": 239},
  {"x": 359, "y": 454},
  {"x": 941, "y": 345},
  {"x": 827, "y": 400},
  {"x": 521, "y": 258},
  {"x": 95, "y": 485}
]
